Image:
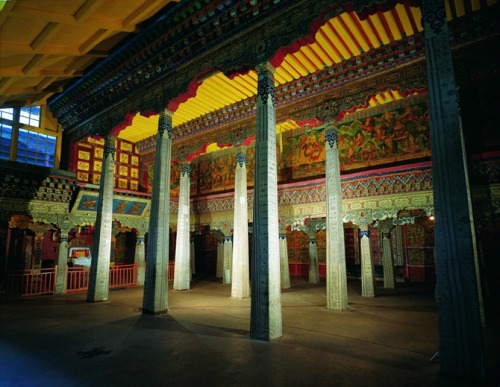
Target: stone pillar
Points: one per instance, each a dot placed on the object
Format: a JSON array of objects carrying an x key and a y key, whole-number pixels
[
  {"x": 313, "y": 258},
  {"x": 458, "y": 294},
  {"x": 367, "y": 274},
  {"x": 336, "y": 272},
  {"x": 385, "y": 227},
  {"x": 265, "y": 316},
  {"x": 99, "y": 269},
  {"x": 155, "y": 299},
  {"x": 192, "y": 256},
  {"x": 228, "y": 259},
  {"x": 37, "y": 254},
  {"x": 398, "y": 246},
  {"x": 240, "y": 283},
  {"x": 139, "y": 259},
  {"x": 220, "y": 257},
  {"x": 285, "y": 269},
  {"x": 182, "y": 271},
  {"x": 62, "y": 263}
]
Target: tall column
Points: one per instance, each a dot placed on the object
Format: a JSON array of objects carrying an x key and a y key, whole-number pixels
[
  {"x": 460, "y": 335},
  {"x": 385, "y": 227},
  {"x": 240, "y": 283},
  {"x": 37, "y": 254},
  {"x": 139, "y": 259},
  {"x": 228, "y": 259},
  {"x": 99, "y": 269},
  {"x": 192, "y": 256},
  {"x": 313, "y": 258},
  {"x": 182, "y": 271},
  {"x": 220, "y": 257},
  {"x": 367, "y": 274},
  {"x": 62, "y": 263},
  {"x": 265, "y": 317},
  {"x": 336, "y": 272},
  {"x": 155, "y": 298},
  {"x": 285, "y": 269}
]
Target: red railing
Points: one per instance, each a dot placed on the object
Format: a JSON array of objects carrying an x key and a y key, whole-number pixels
[
  {"x": 78, "y": 279},
  {"x": 123, "y": 276},
  {"x": 29, "y": 282}
]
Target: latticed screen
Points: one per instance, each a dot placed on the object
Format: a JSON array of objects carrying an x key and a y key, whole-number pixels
[{"x": 36, "y": 148}]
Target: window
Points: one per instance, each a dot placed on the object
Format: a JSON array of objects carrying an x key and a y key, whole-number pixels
[
  {"x": 5, "y": 141},
  {"x": 7, "y": 114},
  {"x": 30, "y": 115},
  {"x": 36, "y": 148},
  {"x": 18, "y": 127}
]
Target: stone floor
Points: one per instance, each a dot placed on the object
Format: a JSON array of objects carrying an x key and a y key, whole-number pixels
[{"x": 388, "y": 340}]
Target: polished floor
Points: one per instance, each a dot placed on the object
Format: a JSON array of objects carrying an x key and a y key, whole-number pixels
[{"x": 389, "y": 340}]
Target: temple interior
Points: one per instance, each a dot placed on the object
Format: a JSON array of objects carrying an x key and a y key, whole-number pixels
[{"x": 257, "y": 144}]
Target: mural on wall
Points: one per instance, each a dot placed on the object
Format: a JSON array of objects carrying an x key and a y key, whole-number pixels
[
  {"x": 388, "y": 137},
  {"x": 303, "y": 155},
  {"x": 384, "y": 138},
  {"x": 87, "y": 201}
]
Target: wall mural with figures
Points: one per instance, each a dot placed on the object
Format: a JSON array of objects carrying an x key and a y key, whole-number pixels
[{"x": 375, "y": 140}]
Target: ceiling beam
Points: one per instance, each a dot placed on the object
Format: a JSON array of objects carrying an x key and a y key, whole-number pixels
[
  {"x": 18, "y": 73},
  {"x": 6, "y": 10},
  {"x": 35, "y": 61},
  {"x": 86, "y": 10},
  {"x": 48, "y": 33},
  {"x": 17, "y": 48},
  {"x": 54, "y": 17},
  {"x": 150, "y": 7}
]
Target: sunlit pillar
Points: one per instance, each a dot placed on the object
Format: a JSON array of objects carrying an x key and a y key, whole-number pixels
[
  {"x": 240, "y": 284},
  {"x": 336, "y": 274},
  {"x": 182, "y": 271},
  {"x": 62, "y": 263},
  {"x": 367, "y": 274},
  {"x": 228, "y": 259},
  {"x": 139, "y": 259},
  {"x": 285, "y": 269},
  {"x": 155, "y": 299},
  {"x": 99, "y": 269},
  {"x": 265, "y": 317}
]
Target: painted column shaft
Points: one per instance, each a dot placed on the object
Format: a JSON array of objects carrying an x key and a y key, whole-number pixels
[
  {"x": 240, "y": 283},
  {"x": 220, "y": 258},
  {"x": 367, "y": 274},
  {"x": 182, "y": 270},
  {"x": 313, "y": 261},
  {"x": 388, "y": 261},
  {"x": 228, "y": 259},
  {"x": 62, "y": 265},
  {"x": 460, "y": 332},
  {"x": 265, "y": 317},
  {"x": 336, "y": 274},
  {"x": 155, "y": 299},
  {"x": 285, "y": 269},
  {"x": 99, "y": 270},
  {"x": 192, "y": 262},
  {"x": 140, "y": 260}
]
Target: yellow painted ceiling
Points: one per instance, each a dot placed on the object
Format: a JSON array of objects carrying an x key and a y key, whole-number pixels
[{"x": 339, "y": 39}]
